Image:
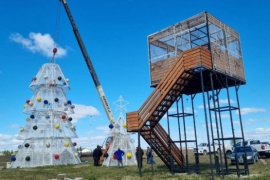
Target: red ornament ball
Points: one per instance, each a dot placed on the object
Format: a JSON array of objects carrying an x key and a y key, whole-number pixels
[
  {"x": 74, "y": 144},
  {"x": 56, "y": 156},
  {"x": 54, "y": 50},
  {"x": 63, "y": 117}
]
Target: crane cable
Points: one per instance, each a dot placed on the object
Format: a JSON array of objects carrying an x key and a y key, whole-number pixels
[{"x": 56, "y": 31}]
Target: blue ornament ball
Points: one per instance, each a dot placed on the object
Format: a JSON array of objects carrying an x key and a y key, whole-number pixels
[
  {"x": 13, "y": 158},
  {"x": 32, "y": 116},
  {"x": 110, "y": 126},
  {"x": 45, "y": 102}
]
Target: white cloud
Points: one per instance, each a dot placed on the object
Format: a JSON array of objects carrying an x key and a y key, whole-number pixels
[
  {"x": 201, "y": 106},
  {"x": 225, "y": 101},
  {"x": 223, "y": 116},
  {"x": 221, "y": 102},
  {"x": 261, "y": 134},
  {"x": 105, "y": 129},
  {"x": 82, "y": 111},
  {"x": 5, "y": 137},
  {"x": 250, "y": 121},
  {"x": 266, "y": 120},
  {"x": 245, "y": 111},
  {"x": 186, "y": 110},
  {"x": 38, "y": 43},
  {"x": 8, "y": 142},
  {"x": 172, "y": 110},
  {"x": 90, "y": 142},
  {"x": 15, "y": 126}
]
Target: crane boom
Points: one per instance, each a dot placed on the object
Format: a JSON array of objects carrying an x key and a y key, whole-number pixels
[{"x": 89, "y": 64}]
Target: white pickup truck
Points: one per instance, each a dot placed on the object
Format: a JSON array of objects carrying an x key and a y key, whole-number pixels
[
  {"x": 204, "y": 148},
  {"x": 263, "y": 149}
]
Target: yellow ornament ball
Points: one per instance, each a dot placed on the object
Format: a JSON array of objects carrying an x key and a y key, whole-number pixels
[
  {"x": 56, "y": 126},
  {"x": 66, "y": 144},
  {"x": 129, "y": 155},
  {"x": 25, "y": 106},
  {"x": 38, "y": 99},
  {"x": 67, "y": 80},
  {"x": 125, "y": 125}
]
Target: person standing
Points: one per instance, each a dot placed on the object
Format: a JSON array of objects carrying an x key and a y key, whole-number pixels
[
  {"x": 97, "y": 153},
  {"x": 148, "y": 154},
  {"x": 139, "y": 156},
  {"x": 150, "y": 157},
  {"x": 119, "y": 153}
]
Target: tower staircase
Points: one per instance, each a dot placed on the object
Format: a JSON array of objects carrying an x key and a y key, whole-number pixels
[{"x": 146, "y": 120}]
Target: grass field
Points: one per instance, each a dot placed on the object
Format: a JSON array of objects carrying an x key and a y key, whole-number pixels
[{"x": 87, "y": 171}]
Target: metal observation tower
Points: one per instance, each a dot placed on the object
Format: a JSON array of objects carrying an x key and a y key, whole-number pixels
[{"x": 196, "y": 60}]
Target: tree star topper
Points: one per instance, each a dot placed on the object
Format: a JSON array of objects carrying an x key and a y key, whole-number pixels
[{"x": 121, "y": 104}]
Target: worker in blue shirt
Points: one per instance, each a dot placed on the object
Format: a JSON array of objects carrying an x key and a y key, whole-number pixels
[{"x": 119, "y": 153}]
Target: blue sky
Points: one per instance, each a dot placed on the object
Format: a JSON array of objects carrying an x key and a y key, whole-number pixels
[{"x": 115, "y": 34}]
